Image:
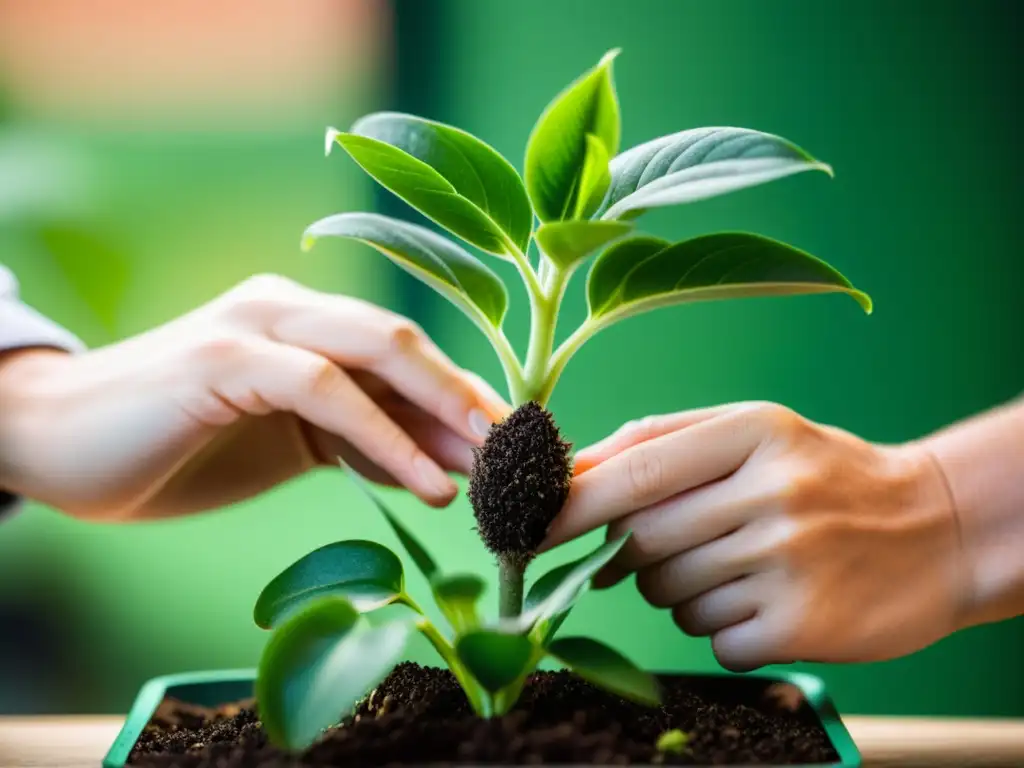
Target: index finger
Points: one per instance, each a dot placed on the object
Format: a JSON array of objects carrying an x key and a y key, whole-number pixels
[
  {"x": 640, "y": 431},
  {"x": 357, "y": 334},
  {"x": 656, "y": 469}
]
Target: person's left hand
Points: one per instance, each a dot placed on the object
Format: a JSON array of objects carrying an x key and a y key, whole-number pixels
[{"x": 782, "y": 539}]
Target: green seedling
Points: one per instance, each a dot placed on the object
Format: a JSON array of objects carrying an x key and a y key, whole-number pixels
[
  {"x": 324, "y": 654},
  {"x": 578, "y": 201},
  {"x": 672, "y": 742}
]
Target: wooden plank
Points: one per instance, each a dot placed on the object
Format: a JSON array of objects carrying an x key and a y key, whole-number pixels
[
  {"x": 897, "y": 742},
  {"x": 908, "y": 742},
  {"x": 56, "y": 742}
]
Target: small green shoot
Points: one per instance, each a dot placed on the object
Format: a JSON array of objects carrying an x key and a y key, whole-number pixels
[{"x": 672, "y": 742}]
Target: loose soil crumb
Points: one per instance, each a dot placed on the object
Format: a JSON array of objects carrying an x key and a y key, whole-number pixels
[{"x": 419, "y": 715}]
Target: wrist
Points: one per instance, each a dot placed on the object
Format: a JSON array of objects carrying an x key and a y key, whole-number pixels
[
  {"x": 923, "y": 495},
  {"x": 980, "y": 460},
  {"x": 23, "y": 376}
]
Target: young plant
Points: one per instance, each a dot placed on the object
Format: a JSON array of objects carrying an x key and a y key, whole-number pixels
[
  {"x": 324, "y": 653},
  {"x": 578, "y": 200}
]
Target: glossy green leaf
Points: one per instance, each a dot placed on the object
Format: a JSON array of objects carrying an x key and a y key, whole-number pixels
[
  {"x": 424, "y": 562},
  {"x": 557, "y": 148},
  {"x": 611, "y": 268},
  {"x": 605, "y": 667},
  {"x": 541, "y": 590},
  {"x": 448, "y": 269},
  {"x": 366, "y": 573},
  {"x": 634, "y": 275},
  {"x": 448, "y": 175},
  {"x": 495, "y": 659},
  {"x": 595, "y": 178},
  {"x": 562, "y": 595},
  {"x": 697, "y": 164},
  {"x": 318, "y": 665},
  {"x": 567, "y": 243},
  {"x": 457, "y": 596}
]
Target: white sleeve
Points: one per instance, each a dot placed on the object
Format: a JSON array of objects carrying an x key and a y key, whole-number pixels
[{"x": 21, "y": 327}]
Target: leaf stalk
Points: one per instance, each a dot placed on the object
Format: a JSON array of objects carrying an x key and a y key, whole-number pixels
[
  {"x": 447, "y": 653},
  {"x": 511, "y": 573}
]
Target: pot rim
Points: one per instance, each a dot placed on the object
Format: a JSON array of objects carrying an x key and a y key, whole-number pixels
[{"x": 213, "y": 687}]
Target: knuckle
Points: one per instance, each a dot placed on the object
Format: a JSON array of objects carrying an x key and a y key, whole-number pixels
[
  {"x": 646, "y": 474},
  {"x": 265, "y": 284},
  {"x": 218, "y": 350},
  {"x": 641, "y": 429},
  {"x": 644, "y": 539},
  {"x": 322, "y": 379},
  {"x": 776, "y": 416},
  {"x": 686, "y": 620},
  {"x": 400, "y": 448},
  {"x": 781, "y": 421},
  {"x": 256, "y": 298},
  {"x": 797, "y": 486},
  {"x": 405, "y": 337}
]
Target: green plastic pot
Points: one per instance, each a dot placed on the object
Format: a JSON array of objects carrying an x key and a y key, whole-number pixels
[{"x": 211, "y": 689}]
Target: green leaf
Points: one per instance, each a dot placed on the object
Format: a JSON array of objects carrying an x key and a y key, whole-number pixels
[
  {"x": 495, "y": 659},
  {"x": 635, "y": 275},
  {"x": 595, "y": 178},
  {"x": 445, "y": 173},
  {"x": 562, "y": 594},
  {"x": 366, "y": 573},
  {"x": 567, "y": 243},
  {"x": 424, "y": 562},
  {"x": 605, "y": 667},
  {"x": 541, "y": 590},
  {"x": 318, "y": 665},
  {"x": 697, "y": 164},
  {"x": 448, "y": 269},
  {"x": 556, "y": 152},
  {"x": 457, "y": 596},
  {"x": 612, "y": 267}
]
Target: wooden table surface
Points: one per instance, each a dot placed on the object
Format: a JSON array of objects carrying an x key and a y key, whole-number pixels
[{"x": 81, "y": 742}]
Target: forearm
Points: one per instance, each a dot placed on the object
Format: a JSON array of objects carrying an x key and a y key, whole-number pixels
[
  {"x": 983, "y": 462},
  {"x": 25, "y": 335}
]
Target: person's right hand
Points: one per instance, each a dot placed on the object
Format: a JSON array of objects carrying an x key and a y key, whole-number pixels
[
  {"x": 781, "y": 539},
  {"x": 256, "y": 387}
]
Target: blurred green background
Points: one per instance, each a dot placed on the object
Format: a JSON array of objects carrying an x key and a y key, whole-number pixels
[{"x": 182, "y": 196}]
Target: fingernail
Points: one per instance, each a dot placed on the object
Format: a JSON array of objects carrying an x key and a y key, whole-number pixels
[
  {"x": 432, "y": 475},
  {"x": 480, "y": 423}
]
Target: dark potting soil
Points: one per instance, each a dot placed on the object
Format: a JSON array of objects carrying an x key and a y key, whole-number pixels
[{"x": 419, "y": 715}]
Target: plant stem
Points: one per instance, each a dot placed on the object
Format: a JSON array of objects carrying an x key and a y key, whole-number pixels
[
  {"x": 507, "y": 356},
  {"x": 544, "y": 307},
  {"x": 566, "y": 350},
  {"x": 511, "y": 572},
  {"x": 535, "y": 384}
]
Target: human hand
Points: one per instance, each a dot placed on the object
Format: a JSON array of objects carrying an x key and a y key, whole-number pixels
[
  {"x": 256, "y": 387},
  {"x": 781, "y": 539}
]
